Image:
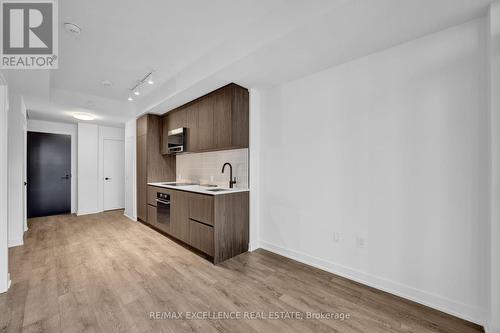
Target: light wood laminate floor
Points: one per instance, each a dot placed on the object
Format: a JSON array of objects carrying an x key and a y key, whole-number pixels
[{"x": 105, "y": 273}]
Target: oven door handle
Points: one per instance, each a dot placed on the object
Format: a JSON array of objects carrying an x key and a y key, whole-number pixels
[{"x": 162, "y": 201}]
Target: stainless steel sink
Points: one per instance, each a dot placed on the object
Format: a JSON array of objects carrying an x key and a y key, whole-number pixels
[
  {"x": 178, "y": 184},
  {"x": 218, "y": 190}
]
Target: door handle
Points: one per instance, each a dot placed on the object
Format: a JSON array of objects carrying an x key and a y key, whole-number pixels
[
  {"x": 65, "y": 177},
  {"x": 107, "y": 178}
]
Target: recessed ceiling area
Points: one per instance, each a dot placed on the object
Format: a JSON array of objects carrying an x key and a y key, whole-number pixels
[
  {"x": 196, "y": 46},
  {"x": 122, "y": 40}
]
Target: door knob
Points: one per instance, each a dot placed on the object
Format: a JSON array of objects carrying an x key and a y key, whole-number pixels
[
  {"x": 107, "y": 178},
  {"x": 65, "y": 177}
]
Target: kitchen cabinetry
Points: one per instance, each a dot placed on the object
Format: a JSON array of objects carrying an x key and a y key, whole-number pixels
[
  {"x": 206, "y": 123},
  {"x": 217, "y": 225},
  {"x": 174, "y": 120},
  {"x": 216, "y": 121},
  {"x": 179, "y": 225},
  {"x": 201, "y": 237},
  {"x": 151, "y": 164},
  {"x": 201, "y": 208},
  {"x": 192, "y": 117}
]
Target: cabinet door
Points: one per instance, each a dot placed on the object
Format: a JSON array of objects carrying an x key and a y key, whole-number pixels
[
  {"x": 222, "y": 119},
  {"x": 164, "y": 137},
  {"x": 152, "y": 215},
  {"x": 179, "y": 222},
  {"x": 192, "y": 127},
  {"x": 201, "y": 208},
  {"x": 176, "y": 119},
  {"x": 201, "y": 236},
  {"x": 206, "y": 123},
  {"x": 142, "y": 178},
  {"x": 142, "y": 125}
]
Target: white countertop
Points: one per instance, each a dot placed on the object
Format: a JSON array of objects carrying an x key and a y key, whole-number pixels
[{"x": 199, "y": 188}]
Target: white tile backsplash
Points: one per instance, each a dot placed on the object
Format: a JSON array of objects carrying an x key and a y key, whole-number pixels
[{"x": 206, "y": 167}]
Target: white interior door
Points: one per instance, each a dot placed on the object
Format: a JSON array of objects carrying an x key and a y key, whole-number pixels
[{"x": 114, "y": 180}]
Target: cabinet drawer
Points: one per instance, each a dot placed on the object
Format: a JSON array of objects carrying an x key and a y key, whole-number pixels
[
  {"x": 151, "y": 215},
  {"x": 201, "y": 237},
  {"x": 201, "y": 208}
]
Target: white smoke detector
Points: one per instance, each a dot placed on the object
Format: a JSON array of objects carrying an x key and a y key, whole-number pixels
[{"x": 72, "y": 28}]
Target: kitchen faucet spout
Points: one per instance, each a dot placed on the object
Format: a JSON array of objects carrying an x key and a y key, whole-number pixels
[{"x": 231, "y": 180}]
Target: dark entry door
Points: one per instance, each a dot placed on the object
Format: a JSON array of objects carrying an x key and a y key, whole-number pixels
[{"x": 49, "y": 174}]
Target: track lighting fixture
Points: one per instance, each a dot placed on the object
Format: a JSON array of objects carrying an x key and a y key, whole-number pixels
[{"x": 148, "y": 78}]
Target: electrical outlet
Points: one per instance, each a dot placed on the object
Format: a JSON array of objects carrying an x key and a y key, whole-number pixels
[
  {"x": 336, "y": 237},
  {"x": 360, "y": 242}
]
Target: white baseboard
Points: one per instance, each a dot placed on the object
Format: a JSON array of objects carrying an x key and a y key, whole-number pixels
[
  {"x": 130, "y": 217},
  {"x": 253, "y": 246},
  {"x": 80, "y": 213},
  {"x": 16, "y": 242},
  {"x": 492, "y": 328},
  {"x": 464, "y": 311},
  {"x": 4, "y": 287}
]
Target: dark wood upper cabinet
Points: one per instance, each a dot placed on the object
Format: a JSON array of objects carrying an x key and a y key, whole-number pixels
[
  {"x": 216, "y": 121},
  {"x": 177, "y": 119},
  {"x": 152, "y": 166},
  {"x": 206, "y": 123},
  {"x": 192, "y": 127},
  {"x": 222, "y": 119}
]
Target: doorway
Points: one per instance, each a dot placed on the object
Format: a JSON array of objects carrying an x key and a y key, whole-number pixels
[
  {"x": 49, "y": 174},
  {"x": 114, "y": 175}
]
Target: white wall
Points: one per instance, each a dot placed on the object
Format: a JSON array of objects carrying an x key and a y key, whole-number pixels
[
  {"x": 254, "y": 167},
  {"x": 4, "y": 267},
  {"x": 65, "y": 129},
  {"x": 130, "y": 170},
  {"x": 389, "y": 150},
  {"x": 106, "y": 133},
  {"x": 88, "y": 169},
  {"x": 494, "y": 58},
  {"x": 16, "y": 128}
]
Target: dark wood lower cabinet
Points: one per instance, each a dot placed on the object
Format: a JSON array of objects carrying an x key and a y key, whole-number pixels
[
  {"x": 201, "y": 237},
  {"x": 179, "y": 224},
  {"x": 152, "y": 215},
  {"x": 215, "y": 225}
]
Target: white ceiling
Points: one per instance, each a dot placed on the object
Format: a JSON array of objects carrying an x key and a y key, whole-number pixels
[
  {"x": 197, "y": 45},
  {"x": 123, "y": 40}
]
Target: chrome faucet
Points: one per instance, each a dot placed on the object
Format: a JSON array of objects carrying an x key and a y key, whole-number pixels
[{"x": 231, "y": 180}]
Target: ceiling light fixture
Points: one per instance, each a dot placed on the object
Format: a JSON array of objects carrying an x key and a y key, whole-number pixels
[
  {"x": 72, "y": 28},
  {"x": 83, "y": 116},
  {"x": 130, "y": 98},
  {"x": 148, "y": 78}
]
